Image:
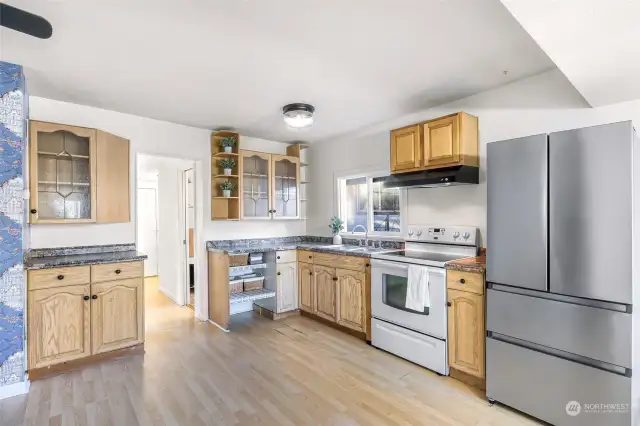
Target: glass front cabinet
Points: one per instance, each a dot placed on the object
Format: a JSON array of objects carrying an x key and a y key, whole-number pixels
[
  {"x": 62, "y": 173},
  {"x": 270, "y": 186}
]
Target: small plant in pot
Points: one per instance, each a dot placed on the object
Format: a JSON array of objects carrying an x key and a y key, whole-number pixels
[
  {"x": 336, "y": 224},
  {"x": 227, "y": 164},
  {"x": 226, "y": 187},
  {"x": 227, "y": 144}
]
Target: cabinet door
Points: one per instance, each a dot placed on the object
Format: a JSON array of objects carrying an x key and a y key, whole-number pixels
[
  {"x": 325, "y": 292},
  {"x": 442, "y": 142},
  {"x": 255, "y": 185},
  {"x": 62, "y": 173},
  {"x": 405, "y": 148},
  {"x": 58, "y": 325},
  {"x": 351, "y": 299},
  {"x": 112, "y": 178},
  {"x": 285, "y": 187},
  {"x": 306, "y": 290},
  {"x": 466, "y": 332},
  {"x": 287, "y": 287},
  {"x": 117, "y": 314}
]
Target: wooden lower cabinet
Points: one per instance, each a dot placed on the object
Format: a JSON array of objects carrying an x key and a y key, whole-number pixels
[
  {"x": 306, "y": 288},
  {"x": 59, "y": 329},
  {"x": 325, "y": 292},
  {"x": 117, "y": 315},
  {"x": 466, "y": 332},
  {"x": 351, "y": 289},
  {"x": 286, "y": 287}
]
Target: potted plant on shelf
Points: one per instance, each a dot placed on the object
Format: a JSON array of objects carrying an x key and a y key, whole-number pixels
[
  {"x": 227, "y": 164},
  {"x": 226, "y": 187},
  {"x": 336, "y": 226},
  {"x": 227, "y": 144}
]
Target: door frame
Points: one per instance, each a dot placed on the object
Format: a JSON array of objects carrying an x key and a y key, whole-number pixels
[
  {"x": 184, "y": 225},
  {"x": 155, "y": 190}
]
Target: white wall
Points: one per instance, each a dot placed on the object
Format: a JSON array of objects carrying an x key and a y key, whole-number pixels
[{"x": 540, "y": 104}]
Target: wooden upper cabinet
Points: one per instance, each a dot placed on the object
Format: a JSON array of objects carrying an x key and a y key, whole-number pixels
[
  {"x": 466, "y": 332},
  {"x": 450, "y": 141},
  {"x": 117, "y": 315},
  {"x": 285, "y": 186},
  {"x": 77, "y": 175},
  {"x": 325, "y": 292},
  {"x": 62, "y": 173},
  {"x": 351, "y": 301},
  {"x": 112, "y": 178},
  {"x": 306, "y": 290},
  {"x": 59, "y": 328},
  {"x": 405, "y": 149}
]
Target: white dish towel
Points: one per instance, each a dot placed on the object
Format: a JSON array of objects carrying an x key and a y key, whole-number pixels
[{"x": 418, "y": 296}]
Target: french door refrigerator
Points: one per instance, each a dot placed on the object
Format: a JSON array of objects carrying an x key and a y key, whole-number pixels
[{"x": 563, "y": 265}]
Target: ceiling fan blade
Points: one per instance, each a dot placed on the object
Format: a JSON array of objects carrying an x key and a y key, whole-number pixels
[{"x": 25, "y": 22}]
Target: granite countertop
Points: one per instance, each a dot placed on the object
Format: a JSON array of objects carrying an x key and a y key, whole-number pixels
[
  {"x": 470, "y": 264},
  {"x": 47, "y": 262},
  {"x": 317, "y": 247}
]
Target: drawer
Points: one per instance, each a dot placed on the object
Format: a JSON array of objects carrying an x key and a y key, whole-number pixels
[
  {"x": 305, "y": 256},
  {"x": 542, "y": 385},
  {"x": 353, "y": 263},
  {"x": 465, "y": 281},
  {"x": 115, "y": 271},
  {"x": 595, "y": 333},
  {"x": 286, "y": 256},
  {"x": 57, "y": 277}
]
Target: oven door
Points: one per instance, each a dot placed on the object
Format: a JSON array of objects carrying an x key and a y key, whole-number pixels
[{"x": 389, "y": 282}]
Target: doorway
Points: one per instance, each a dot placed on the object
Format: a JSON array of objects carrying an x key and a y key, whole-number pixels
[{"x": 166, "y": 231}]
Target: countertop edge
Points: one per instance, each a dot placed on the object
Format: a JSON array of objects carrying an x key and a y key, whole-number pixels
[
  {"x": 257, "y": 249},
  {"x": 28, "y": 267}
]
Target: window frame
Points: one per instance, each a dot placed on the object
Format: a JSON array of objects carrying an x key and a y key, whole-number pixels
[{"x": 340, "y": 180}]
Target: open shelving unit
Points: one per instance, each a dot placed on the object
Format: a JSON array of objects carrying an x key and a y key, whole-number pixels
[{"x": 224, "y": 208}]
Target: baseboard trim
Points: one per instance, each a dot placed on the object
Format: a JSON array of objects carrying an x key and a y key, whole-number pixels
[
  {"x": 359, "y": 334},
  {"x": 170, "y": 296},
  {"x": 476, "y": 382},
  {"x": 219, "y": 326},
  {"x": 65, "y": 367},
  {"x": 15, "y": 389}
]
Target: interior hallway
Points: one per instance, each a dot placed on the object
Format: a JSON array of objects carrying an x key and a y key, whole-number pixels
[{"x": 290, "y": 372}]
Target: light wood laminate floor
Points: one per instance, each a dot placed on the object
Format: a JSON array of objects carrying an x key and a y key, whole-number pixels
[{"x": 290, "y": 372}]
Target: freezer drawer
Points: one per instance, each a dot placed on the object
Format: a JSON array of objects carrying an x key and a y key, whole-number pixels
[
  {"x": 599, "y": 334},
  {"x": 542, "y": 385},
  {"x": 415, "y": 347}
]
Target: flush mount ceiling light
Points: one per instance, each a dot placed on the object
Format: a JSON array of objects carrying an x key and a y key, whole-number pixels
[{"x": 298, "y": 115}]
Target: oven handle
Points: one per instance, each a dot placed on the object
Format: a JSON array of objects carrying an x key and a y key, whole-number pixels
[{"x": 403, "y": 266}]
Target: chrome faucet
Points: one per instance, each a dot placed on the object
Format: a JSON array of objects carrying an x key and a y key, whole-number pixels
[{"x": 366, "y": 234}]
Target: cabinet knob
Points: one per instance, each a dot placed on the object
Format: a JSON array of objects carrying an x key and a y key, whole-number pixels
[
  {"x": 310, "y": 257},
  {"x": 335, "y": 278},
  {"x": 118, "y": 271},
  {"x": 278, "y": 257},
  {"x": 278, "y": 273},
  {"x": 60, "y": 277},
  {"x": 462, "y": 281},
  {"x": 86, "y": 298},
  {"x": 94, "y": 297},
  {"x": 310, "y": 273},
  {"x": 448, "y": 303},
  {"x": 367, "y": 265},
  {"x": 34, "y": 211}
]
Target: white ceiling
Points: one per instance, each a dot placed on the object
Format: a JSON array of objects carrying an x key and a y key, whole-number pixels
[
  {"x": 595, "y": 43},
  {"x": 235, "y": 63}
]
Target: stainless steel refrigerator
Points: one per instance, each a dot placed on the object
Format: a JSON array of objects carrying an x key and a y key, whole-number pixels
[{"x": 563, "y": 271}]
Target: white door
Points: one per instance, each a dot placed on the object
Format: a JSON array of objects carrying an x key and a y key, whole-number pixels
[
  {"x": 148, "y": 229},
  {"x": 287, "y": 287}
]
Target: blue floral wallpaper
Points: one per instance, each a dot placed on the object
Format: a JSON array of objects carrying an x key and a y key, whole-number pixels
[{"x": 13, "y": 113}]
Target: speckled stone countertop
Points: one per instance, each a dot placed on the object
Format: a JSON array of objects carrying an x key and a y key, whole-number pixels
[
  {"x": 318, "y": 244},
  {"x": 470, "y": 264},
  {"x": 79, "y": 256}
]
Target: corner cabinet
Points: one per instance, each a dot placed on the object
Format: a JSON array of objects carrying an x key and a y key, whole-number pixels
[
  {"x": 269, "y": 186},
  {"x": 442, "y": 142},
  {"x": 77, "y": 175}
]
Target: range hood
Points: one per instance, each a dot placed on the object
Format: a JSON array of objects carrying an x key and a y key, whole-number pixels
[{"x": 449, "y": 176}]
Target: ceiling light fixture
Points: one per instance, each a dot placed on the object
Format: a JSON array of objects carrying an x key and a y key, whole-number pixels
[{"x": 298, "y": 115}]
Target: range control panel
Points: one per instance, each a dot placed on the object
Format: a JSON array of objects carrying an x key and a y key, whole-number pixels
[{"x": 463, "y": 235}]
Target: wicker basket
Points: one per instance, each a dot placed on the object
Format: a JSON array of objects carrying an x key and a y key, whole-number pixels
[
  {"x": 239, "y": 259},
  {"x": 253, "y": 283},
  {"x": 235, "y": 286}
]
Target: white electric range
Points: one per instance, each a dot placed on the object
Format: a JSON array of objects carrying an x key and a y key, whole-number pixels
[{"x": 418, "y": 336}]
